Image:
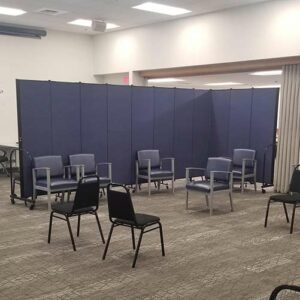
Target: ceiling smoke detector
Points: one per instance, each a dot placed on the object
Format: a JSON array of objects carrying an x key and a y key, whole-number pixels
[{"x": 51, "y": 12}]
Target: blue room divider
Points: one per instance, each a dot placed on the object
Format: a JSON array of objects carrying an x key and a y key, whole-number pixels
[{"x": 114, "y": 122}]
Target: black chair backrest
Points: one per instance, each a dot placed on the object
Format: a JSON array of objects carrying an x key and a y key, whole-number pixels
[
  {"x": 153, "y": 155},
  {"x": 119, "y": 203},
  {"x": 87, "y": 194},
  {"x": 219, "y": 164},
  {"x": 295, "y": 181}
]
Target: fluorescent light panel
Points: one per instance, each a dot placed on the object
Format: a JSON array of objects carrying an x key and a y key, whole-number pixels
[
  {"x": 267, "y": 73},
  {"x": 223, "y": 83},
  {"x": 88, "y": 23},
  {"x": 164, "y": 80},
  {"x": 161, "y": 9},
  {"x": 11, "y": 11}
]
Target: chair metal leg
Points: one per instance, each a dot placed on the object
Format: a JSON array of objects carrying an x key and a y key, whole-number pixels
[
  {"x": 100, "y": 229},
  {"x": 286, "y": 214},
  {"x": 78, "y": 225},
  {"x": 158, "y": 185},
  {"x": 50, "y": 227},
  {"x": 230, "y": 198},
  {"x": 206, "y": 199},
  {"x": 108, "y": 241},
  {"x": 187, "y": 200},
  {"x": 49, "y": 200},
  {"x": 243, "y": 184},
  {"x": 293, "y": 219},
  {"x": 267, "y": 213},
  {"x": 33, "y": 199},
  {"x": 149, "y": 186},
  {"x": 71, "y": 234},
  {"x": 161, "y": 239},
  {"x": 173, "y": 185},
  {"x": 255, "y": 187},
  {"x": 211, "y": 204},
  {"x": 138, "y": 248},
  {"x": 133, "y": 237},
  {"x": 68, "y": 196}
]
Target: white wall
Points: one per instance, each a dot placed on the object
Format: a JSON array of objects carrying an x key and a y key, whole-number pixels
[
  {"x": 59, "y": 56},
  {"x": 265, "y": 30}
]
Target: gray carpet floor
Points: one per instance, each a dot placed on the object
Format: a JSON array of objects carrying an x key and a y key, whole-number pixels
[{"x": 227, "y": 256}]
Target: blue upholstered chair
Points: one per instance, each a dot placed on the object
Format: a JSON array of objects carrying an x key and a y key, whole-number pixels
[
  {"x": 149, "y": 167},
  {"x": 244, "y": 166},
  {"x": 218, "y": 177},
  {"x": 51, "y": 176},
  {"x": 88, "y": 166}
]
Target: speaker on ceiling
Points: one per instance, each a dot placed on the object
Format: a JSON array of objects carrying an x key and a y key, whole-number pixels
[{"x": 99, "y": 26}]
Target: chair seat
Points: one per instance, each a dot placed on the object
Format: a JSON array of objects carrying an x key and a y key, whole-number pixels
[
  {"x": 204, "y": 186},
  {"x": 237, "y": 172},
  {"x": 141, "y": 220},
  {"x": 157, "y": 173},
  {"x": 58, "y": 183},
  {"x": 102, "y": 180},
  {"x": 287, "y": 198},
  {"x": 66, "y": 208}
]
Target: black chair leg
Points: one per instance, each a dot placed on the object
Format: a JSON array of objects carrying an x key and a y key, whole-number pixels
[
  {"x": 161, "y": 239},
  {"x": 108, "y": 241},
  {"x": 133, "y": 237},
  {"x": 50, "y": 227},
  {"x": 286, "y": 214},
  {"x": 71, "y": 234},
  {"x": 267, "y": 213},
  {"x": 138, "y": 248},
  {"x": 293, "y": 218},
  {"x": 78, "y": 225},
  {"x": 100, "y": 229}
]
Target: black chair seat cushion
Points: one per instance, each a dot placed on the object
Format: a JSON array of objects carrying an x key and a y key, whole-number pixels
[
  {"x": 66, "y": 208},
  {"x": 295, "y": 198},
  {"x": 204, "y": 186},
  {"x": 58, "y": 183},
  {"x": 102, "y": 180},
  {"x": 141, "y": 220},
  {"x": 237, "y": 172},
  {"x": 157, "y": 173}
]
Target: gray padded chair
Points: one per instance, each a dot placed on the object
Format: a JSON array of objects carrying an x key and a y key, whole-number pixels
[
  {"x": 244, "y": 166},
  {"x": 149, "y": 167},
  {"x": 88, "y": 166},
  {"x": 218, "y": 177},
  {"x": 51, "y": 176}
]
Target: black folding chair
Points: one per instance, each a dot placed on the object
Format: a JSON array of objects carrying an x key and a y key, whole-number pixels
[
  {"x": 292, "y": 197},
  {"x": 86, "y": 202},
  {"x": 284, "y": 287},
  {"x": 121, "y": 213}
]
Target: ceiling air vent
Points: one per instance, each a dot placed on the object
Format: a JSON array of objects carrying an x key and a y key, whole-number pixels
[{"x": 51, "y": 12}]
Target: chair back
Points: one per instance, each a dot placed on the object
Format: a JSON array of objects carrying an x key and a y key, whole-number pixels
[
  {"x": 219, "y": 164},
  {"x": 119, "y": 203},
  {"x": 240, "y": 154},
  {"x": 3, "y": 156},
  {"x": 87, "y": 193},
  {"x": 153, "y": 155},
  {"x": 53, "y": 162},
  {"x": 87, "y": 160},
  {"x": 295, "y": 181}
]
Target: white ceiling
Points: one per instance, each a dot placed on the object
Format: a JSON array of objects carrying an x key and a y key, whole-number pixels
[
  {"x": 113, "y": 11},
  {"x": 246, "y": 79}
]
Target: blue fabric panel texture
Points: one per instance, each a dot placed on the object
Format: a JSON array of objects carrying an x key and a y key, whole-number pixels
[
  {"x": 119, "y": 133},
  {"x": 220, "y": 123},
  {"x": 66, "y": 129},
  {"x": 34, "y": 115},
  {"x": 201, "y": 127},
  {"x": 183, "y": 130},
  {"x": 240, "y": 119},
  {"x": 164, "y": 102},
  {"x": 263, "y": 129},
  {"x": 142, "y": 121},
  {"x": 94, "y": 120}
]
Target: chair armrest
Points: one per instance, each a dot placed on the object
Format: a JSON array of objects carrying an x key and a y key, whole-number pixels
[
  {"x": 187, "y": 172},
  {"x": 172, "y": 159},
  {"x": 79, "y": 169},
  {"x": 109, "y": 166},
  {"x": 34, "y": 170}
]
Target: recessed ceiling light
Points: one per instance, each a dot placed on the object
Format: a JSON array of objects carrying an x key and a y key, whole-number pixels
[
  {"x": 11, "y": 11},
  {"x": 81, "y": 22},
  {"x": 223, "y": 83},
  {"x": 267, "y": 86},
  {"x": 267, "y": 73},
  {"x": 111, "y": 26},
  {"x": 156, "y": 80},
  {"x": 162, "y": 9}
]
